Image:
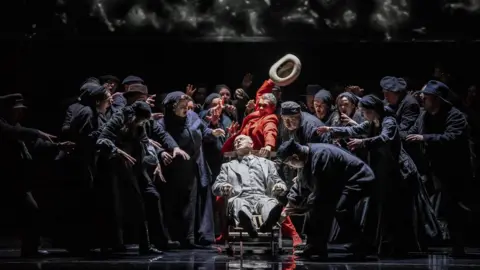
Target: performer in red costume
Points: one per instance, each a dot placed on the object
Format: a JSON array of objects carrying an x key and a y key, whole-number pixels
[{"x": 262, "y": 126}]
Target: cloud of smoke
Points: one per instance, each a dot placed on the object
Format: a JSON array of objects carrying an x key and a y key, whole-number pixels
[{"x": 253, "y": 18}]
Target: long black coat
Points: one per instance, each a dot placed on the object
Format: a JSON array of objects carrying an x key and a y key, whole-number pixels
[
  {"x": 406, "y": 114},
  {"x": 189, "y": 134},
  {"x": 447, "y": 149},
  {"x": 400, "y": 194},
  {"x": 120, "y": 187}
]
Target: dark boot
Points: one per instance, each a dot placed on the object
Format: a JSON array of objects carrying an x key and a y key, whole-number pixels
[
  {"x": 144, "y": 246},
  {"x": 246, "y": 224},
  {"x": 272, "y": 218}
]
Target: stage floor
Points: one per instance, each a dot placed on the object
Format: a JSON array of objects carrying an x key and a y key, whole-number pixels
[{"x": 212, "y": 260}]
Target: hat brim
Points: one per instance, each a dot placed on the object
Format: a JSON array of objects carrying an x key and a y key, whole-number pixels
[
  {"x": 20, "y": 107},
  {"x": 131, "y": 93},
  {"x": 427, "y": 93}
]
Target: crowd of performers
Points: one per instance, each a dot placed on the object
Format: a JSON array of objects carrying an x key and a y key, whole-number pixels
[{"x": 358, "y": 168}]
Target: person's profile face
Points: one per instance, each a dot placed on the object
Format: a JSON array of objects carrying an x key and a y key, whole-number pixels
[
  {"x": 294, "y": 162},
  {"x": 320, "y": 109},
  {"x": 368, "y": 114},
  {"x": 243, "y": 144},
  {"x": 182, "y": 108}
]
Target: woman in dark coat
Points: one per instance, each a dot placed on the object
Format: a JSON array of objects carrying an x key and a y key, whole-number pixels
[
  {"x": 347, "y": 115},
  {"x": 404, "y": 216},
  {"x": 214, "y": 156},
  {"x": 122, "y": 183},
  {"x": 187, "y": 193}
]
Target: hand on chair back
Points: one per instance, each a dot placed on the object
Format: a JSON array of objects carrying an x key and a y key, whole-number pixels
[{"x": 226, "y": 190}]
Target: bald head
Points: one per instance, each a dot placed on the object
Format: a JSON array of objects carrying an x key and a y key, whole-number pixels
[{"x": 243, "y": 144}]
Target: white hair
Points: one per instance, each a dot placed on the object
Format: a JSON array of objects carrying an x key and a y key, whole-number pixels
[{"x": 271, "y": 98}]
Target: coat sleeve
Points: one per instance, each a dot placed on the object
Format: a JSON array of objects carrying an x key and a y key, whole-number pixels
[
  {"x": 273, "y": 177},
  {"x": 456, "y": 127},
  {"x": 353, "y": 131},
  {"x": 415, "y": 129},
  {"x": 266, "y": 88},
  {"x": 68, "y": 120},
  {"x": 389, "y": 130},
  {"x": 163, "y": 137},
  {"x": 222, "y": 179},
  {"x": 314, "y": 137},
  {"x": 207, "y": 132},
  {"x": 85, "y": 123},
  {"x": 270, "y": 132},
  {"x": 297, "y": 195},
  {"x": 18, "y": 132},
  {"x": 108, "y": 136},
  {"x": 408, "y": 119}
]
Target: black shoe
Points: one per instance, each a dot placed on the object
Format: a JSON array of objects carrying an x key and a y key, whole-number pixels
[
  {"x": 247, "y": 225},
  {"x": 149, "y": 251},
  {"x": 311, "y": 251},
  {"x": 119, "y": 249},
  {"x": 169, "y": 245},
  {"x": 272, "y": 218},
  {"x": 34, "y": 253},
  {"x": 192, "y": 246},
  {"x": 458, "y": 252}
]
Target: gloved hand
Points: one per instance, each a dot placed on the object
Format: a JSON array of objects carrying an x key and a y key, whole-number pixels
[
  {"x": 279, "y": 189},
  {"x": 226, "y": 190}
]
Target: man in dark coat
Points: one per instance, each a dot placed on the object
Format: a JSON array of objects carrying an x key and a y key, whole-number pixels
[
  {"x": 300, "y": 126},
  {"x": 74, "y": 108},
  {"x": 310, "y": 91},
  {"x": 124, "y": 147},
  {"x": 323, "y": 193},
  {"x": 406, "y": 111},
  {"x": 444, "y": 131},
  {"x": 15, "y": 190}
]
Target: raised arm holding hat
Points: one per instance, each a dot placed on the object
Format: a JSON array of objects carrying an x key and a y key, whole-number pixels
[{"x": 262, "y": 124}]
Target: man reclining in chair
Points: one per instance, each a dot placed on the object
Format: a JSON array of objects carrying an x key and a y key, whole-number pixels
[{"x": 251, "y": 183}]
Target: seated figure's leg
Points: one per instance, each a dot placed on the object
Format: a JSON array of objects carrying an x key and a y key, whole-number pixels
[
  {"x": 270, "y": 209},
  {"x": 222, "y": 220},
  {"x": 236, "y": 206},
  {"x": 242, "y": 215}
]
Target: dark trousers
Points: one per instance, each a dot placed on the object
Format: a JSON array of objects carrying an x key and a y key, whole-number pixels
[
  {"x": 318, "y": 221},
  {"x": 180, "y": 209},
  {"x": 26, "y": 209}
]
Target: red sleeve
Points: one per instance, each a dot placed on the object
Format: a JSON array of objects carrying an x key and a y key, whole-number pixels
[
  {"x": 266, "y": 88},
  {"x": 270, "y": 131}
]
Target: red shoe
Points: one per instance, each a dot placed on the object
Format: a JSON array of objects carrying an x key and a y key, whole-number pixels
[{"x": 220, "y": 239}]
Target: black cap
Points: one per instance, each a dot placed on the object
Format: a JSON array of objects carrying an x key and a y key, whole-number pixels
[{"x": 290, "y": 108}]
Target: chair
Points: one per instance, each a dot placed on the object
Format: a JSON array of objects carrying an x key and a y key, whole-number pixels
[{"x": 240, "y": 236}]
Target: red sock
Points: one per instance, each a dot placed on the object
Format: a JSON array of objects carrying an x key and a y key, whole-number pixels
[
  {"x": 289, "y": 230},
  {"x": 220, "y": 207}
]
